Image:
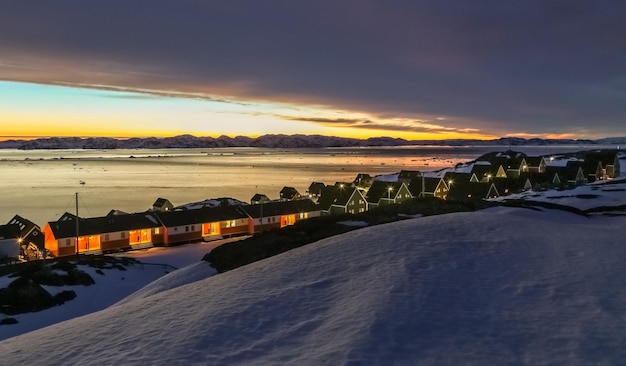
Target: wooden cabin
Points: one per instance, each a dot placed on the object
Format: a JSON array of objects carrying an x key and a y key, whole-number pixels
[
  {"x": 32, "y": 238},
  {"x": 384, "y": 193},
  {"x": 363, "y": 180},
  {"x": 259, "y": 198},
  {"x": 342, "y": 199},
  {"x": 289, "y": 194},
  {"x": 315, "y": 189},
  {"x": 162, "y": 204},
  {"x": 471, "y": 191}
]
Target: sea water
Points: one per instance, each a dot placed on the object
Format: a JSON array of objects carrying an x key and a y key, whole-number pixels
[{"x": 41, "y": 185}]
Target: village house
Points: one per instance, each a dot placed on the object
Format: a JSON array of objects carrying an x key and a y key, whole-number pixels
[
  {"x": 406, "y": 176},
  {"x": 162, "y": 204},
  {"x": 31, "y": 237},
  {"x": 384, "y": 193},
  {"x": 535, "y": 164},
  {"x": 289, "y": 194},
  {"x": 485, "y": 173},
  {"x": 429, "y": 187},
  {"x": 97, "y": 235},
  {"x": 259, "y": 198},
  {"x": 315, "y": 189},
  {"x": 342, "y": 199},
  {"x": 363, "y": 180},
  {"x": 275, "y": 215},
  {"x": 603, "y": 164},
  {"x": 512, "y": 163},
  {"x": 206, "y": 223},
  {"x": 472, "y": 191}
]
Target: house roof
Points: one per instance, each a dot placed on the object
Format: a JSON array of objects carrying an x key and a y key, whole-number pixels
[
  {"x": 66, "y": 226},
  {"x": 470, "y": 191},
  {"x": 606, "y": 157},
  {"x": 335, "y": 195},
  {"x": 160, "y": 202},
  {"x": 430, "y": 184},
  {"x": 289, "y": 192},
  {"x": 534, "y": 161},
  {"x": 259, "y": 197},
  {"x": 201, "y": 215},
  {"x": 280, "y": 208},
  {"x": 380, "y": 189},
  {"x": 485, "y": 170},
  {"x": 409, "y": 174},
  {"x": 316, "y": 187},
  {"x": 457, "y": 177},
  {"x": 24, "y": 225}
]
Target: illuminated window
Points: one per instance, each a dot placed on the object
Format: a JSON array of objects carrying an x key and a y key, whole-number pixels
[{"x": 157, "y": 230}]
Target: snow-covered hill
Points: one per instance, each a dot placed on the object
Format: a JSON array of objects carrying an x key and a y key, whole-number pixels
[{"x": 499, "y": 286}]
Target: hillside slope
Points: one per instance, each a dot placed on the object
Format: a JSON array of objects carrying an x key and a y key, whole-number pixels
[{"x": 499, "y": 286}]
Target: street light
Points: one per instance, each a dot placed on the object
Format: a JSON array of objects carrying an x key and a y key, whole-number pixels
[{"x": 389, "y": 193}]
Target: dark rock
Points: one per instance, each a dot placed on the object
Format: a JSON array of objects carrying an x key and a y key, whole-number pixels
[
  {"x": 24, "y": 295},
  {"x": 8, "y": 321},
  {"x": 64, "y": 296}
]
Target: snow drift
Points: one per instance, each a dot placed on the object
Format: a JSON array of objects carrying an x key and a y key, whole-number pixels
[{"x": 500, "y": 286}]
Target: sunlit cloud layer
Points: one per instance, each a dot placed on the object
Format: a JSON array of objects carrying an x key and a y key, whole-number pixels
[{"x": 362, "y": 68}]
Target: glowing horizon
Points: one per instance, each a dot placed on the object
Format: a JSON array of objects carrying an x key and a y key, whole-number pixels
[{"x": 41, "y": 110}]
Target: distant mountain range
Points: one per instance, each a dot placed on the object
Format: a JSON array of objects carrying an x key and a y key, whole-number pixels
[{"x": 276, "y": 141}]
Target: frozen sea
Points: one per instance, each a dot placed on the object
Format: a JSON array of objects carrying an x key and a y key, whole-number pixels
[{"x": 40, "y": 185}]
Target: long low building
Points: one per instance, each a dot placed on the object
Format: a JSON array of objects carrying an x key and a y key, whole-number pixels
[{"x": 121, "y": 231}]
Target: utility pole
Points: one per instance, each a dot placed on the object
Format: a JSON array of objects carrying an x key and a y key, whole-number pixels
[{"x": 76, "y": 223}]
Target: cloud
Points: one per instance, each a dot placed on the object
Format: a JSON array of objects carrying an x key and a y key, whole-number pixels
[
  {"x": 404, "y": 125},
  {"x": 491, "y": 66}
]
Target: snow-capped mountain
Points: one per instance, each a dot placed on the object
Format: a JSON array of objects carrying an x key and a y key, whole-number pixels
[{"x": 276, "y": 141}]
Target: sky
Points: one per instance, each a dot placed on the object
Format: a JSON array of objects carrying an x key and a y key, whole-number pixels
[{"x": 410, "y": 69}]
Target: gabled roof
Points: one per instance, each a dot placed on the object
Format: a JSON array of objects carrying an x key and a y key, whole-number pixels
[
  {"x": 66, "y": 226},
  {"x": 457, "y": 177},
  {"x": 201, "y": 215},
  {"x": 468, "y": 191},
  {"x": 336, "y": 195},
  {"x": 485, "y": 170},
  {"x": 606, "y": 157},
  {"x": 259, "y": 197},
  {"x": 280, "y": 208},
  {"x": 316, "y": 188},
  {"x": 534, "y": 161},
  {"x": 160, "y": 202},
  {"x": 289, "y": 193},
  {"x": 430, "y": 184},
  {"x": 24, "y": 225},
  {"x": 380, "y": 189},
  {"x": 409, "y": 174}
]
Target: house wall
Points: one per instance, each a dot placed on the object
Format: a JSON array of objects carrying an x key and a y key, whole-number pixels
[
  {"x": 9, "y": 248},
  {"x": 183, "y": 234},
  {"x": 234, "y": 227}
]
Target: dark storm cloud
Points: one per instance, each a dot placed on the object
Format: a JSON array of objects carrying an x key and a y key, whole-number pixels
[{"x": 530, "y": 66}]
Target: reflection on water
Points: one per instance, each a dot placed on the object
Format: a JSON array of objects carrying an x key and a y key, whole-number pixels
[{"x": 40, "y": 185}]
